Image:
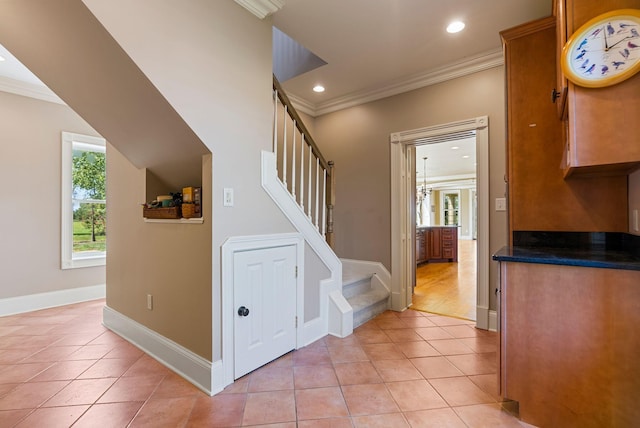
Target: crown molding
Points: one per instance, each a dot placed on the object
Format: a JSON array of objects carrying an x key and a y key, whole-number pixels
[
  {"x": 302, "y": 105},
  {"x": 28, "y": 90},
  {"x": 261, "y": 8},
  {"x": 455, "y": 70}
]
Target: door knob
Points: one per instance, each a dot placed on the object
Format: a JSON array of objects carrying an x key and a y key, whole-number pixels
[{"x": 242, "y": 311}]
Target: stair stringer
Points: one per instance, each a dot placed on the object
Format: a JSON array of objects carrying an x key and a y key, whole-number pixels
[{"x": 336, "y": 315}]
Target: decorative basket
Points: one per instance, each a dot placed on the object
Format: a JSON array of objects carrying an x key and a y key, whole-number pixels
[
  {"x": 188, "y": 210},
  {"x": 171, "y": 212}
]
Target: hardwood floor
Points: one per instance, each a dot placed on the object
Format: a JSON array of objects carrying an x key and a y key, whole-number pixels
[{"x": 448, "y": 288}]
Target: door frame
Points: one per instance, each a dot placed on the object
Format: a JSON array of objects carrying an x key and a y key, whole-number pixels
[
  {"x": 247, "y": 243},
  {"x": 402, "y": 144}
]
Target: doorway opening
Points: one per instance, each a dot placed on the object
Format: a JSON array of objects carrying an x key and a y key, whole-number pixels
[
  {"x": 445, "y": 279},
  {"x": 403, "y": 210}
]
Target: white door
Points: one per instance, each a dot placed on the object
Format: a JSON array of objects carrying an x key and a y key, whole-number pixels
[{"x": 265, "y": 311}]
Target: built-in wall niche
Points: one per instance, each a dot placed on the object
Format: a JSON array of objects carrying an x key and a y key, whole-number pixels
[{"x": 192, "y": 184}]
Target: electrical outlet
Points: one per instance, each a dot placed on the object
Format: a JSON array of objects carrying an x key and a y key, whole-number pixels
[
  {"x": 149, "y": 302},
  {"x": 228, "y": 197}
]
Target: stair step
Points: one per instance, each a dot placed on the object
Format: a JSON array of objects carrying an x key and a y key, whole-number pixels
[
  {"x": 356, "y": 286},
  {"x": 368, "y": 304}
]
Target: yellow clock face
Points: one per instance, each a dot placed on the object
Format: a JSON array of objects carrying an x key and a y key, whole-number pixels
[{"x": 605, "y": 50}]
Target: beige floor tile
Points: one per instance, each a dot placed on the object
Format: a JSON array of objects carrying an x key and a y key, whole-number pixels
[
  {"x": 269, "y": 407},
  {"x": 371, "y": 399},
  {"x": 271, "y": 379},
  {"x": 435, "y": 418},
  {"x": 53, "y": 417},
  {"x": 357, "y": 373},
  {"x": 224, "y": 410},
  {"x": 395, "y": 420},
  {"x": 318, "y": 403},
  {"x": 396, "y": 370},
  {"x": 435, "y": 367},
  {"x": 314, "y": 377},
  {"x": 487, "y": 416},
  {"x": 460, "y": 391},
  {"x": 383, "y": 351},
  {"x": 111, "y": 415},
  {"x": 475, "y": 364},
  {"x": 415, "y": 395},
  {"x": 386, "y": 374}
]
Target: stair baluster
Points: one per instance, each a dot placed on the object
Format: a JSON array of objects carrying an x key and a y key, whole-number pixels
[{"x": 320, "y": 184}]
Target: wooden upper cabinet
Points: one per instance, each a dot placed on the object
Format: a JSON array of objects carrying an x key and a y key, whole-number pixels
[
  {"x": 539, "y": 196},
  {"x": 603, "y": 126},
  {"x": 559, "y": 93}
]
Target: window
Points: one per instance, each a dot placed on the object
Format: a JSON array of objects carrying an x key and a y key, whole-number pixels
[
  {"x": 84, "y": 205},
  {"x": 450, "y": 208}
]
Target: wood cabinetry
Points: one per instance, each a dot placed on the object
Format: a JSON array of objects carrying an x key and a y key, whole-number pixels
[
  {"x": 421, "y": 245},
  {"x": 601, "y": 124},
  {"x": 436, "y": 244},
  {"x": 539, "y": 196},
  {"x": 569, "y": 344}
]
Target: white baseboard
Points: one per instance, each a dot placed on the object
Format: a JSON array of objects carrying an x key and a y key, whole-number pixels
[
  {"x": 493, "y": 320},
  {"x": 52, "y": 299},
  {"x": 190, "y": 366}
]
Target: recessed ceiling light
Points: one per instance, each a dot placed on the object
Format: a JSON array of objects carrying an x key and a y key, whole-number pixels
[
  {"x": 465, "y": 157},
  {"x": 1, "y": 58},
  {"x": 455, "y": 148},
  {"x": 318, "y": 88},
  {"x": 455, "y": 27}
]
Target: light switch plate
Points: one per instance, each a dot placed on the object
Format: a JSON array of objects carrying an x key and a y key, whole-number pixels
[
  {"x": 228, "y": 197},
  {"x": 501, "y": 204}
]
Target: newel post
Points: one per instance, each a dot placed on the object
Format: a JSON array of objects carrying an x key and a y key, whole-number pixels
[{"x": 331, "y": 200}]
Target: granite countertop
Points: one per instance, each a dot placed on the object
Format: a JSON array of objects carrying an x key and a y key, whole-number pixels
[{"x": 598, "y": 250}]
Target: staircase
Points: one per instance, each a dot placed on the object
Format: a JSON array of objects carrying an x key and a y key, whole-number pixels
[
  {"x": 301, "y": 182},
  {"x": 363, "y": 285}
]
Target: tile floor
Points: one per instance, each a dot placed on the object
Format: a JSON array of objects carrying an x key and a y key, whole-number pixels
[{"x": 60, "y": 367}]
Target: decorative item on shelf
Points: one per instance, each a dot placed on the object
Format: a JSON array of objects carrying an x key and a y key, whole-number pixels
[
  {"x": 163, "y": 213},
  {"x": 605, "y": 50},
  {"x": 188, "y": 209},
  {"x": 174, "y": 205},
  {"x": 163, "y": 207},
  {"x": 191, "y": 196},
  {"x": 165, "y": 200}
]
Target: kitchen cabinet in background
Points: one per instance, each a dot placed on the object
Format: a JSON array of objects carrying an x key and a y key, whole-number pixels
[{"x": 437, "y": 244}]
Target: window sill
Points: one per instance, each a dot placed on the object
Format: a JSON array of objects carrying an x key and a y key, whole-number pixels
[
  {"x": 196, "y": 220},
  {"x": 84, "y": 262}
]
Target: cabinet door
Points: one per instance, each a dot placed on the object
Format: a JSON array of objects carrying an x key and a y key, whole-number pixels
[
  {"x": 539, "y": 196},
  {"x": 421, "y": 255},
  {"x": 450, "y": 244},
  {"x": 560, "y": 91},
  {"x": 603, "y": 123},
  {"x": 435, "y": 243}
]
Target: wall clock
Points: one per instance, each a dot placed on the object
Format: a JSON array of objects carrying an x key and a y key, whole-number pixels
[{"x": 605, "y": 50}]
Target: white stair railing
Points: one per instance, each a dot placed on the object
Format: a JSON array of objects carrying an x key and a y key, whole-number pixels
[{"x": 291, "y": 145}]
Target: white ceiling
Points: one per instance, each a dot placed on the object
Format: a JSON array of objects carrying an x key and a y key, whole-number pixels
[
  {"x": 375, "y": 48},
  {"x": 11, "y": 68},
  {"x": 445, "y": 162}
]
